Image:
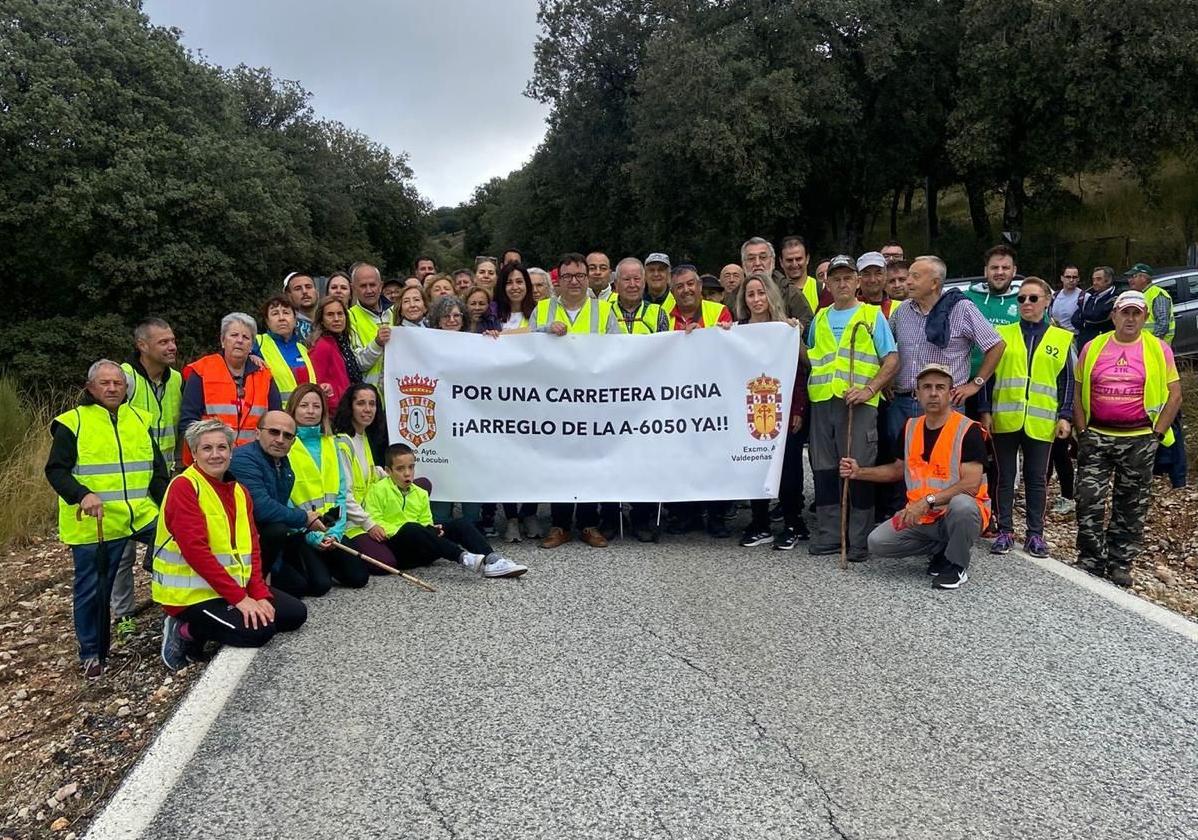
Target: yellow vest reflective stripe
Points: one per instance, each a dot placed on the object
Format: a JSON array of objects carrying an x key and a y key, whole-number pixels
[
  {"x": 363, "y": 329},
  {"x": 283, "y": 375},
  {"x": 116, "y": 462},
  {"x": 830, "y": 359},
  {"x": 362, "y": 480},
  {"x": 1156, "y": 389},
  {"x": 163, "y": 415},
  {"x": 712, "y": 310},
  {"x": 644, "y": 322},
  {"x": 174, "y": 582},
  {"x": 591, "y": 318},
  {"x": 1029, "y": 403},
  {"x": 315, "y": 489},
  {"x": 1151, "y": 295}
]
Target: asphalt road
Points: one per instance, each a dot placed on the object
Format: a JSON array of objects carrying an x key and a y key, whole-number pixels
[{"x": 698, "y": 690}]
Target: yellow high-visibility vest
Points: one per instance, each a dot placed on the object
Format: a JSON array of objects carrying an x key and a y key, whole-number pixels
[
  {"x": 830, "y": 359},
  {"x": 174, "y": 582},
  {"x": 283, "y": 375},
  {"x": 591, "y": 318},
  {"x": 1156, "y": 389},
  {"x": 1029, "y": 402},
  {"x": 116, "y": 462},
  {"x": 315, "y": 489},
  {"x": 164, "y": 414},
  {"x": 1151, "y": 294},
  {"x": 361, "y": 480}
]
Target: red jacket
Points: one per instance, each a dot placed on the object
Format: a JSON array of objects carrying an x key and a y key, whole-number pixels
[
  {"x": 186, "y": 522},
  {"x": 329, "y": 366}
]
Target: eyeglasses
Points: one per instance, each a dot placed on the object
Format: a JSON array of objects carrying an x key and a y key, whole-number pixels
[
  {"x": 452, "y": 316},
  {"x": 1028, "y": 298},
  {"x": 280, "y": 433},
  {"x": 579, "y": 276},
  {"x": 479, "y": 260}
]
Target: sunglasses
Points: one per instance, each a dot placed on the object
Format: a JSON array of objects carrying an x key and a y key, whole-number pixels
[
  {"x": 1028, "y": 298},
  {"x": 285, "y": 435}
]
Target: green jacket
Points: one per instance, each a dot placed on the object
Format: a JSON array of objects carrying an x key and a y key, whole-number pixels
[
  {"x": 391, "y": 508},
  {"x": 999, "y": 310}
]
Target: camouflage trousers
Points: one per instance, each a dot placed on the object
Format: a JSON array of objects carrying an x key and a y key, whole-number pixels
[{"x": 1129, "y": 461}]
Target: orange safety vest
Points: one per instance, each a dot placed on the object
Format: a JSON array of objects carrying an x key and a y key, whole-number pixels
[
  {"x": 220, "y": 398},
  {"x": 925, "y": 478}
]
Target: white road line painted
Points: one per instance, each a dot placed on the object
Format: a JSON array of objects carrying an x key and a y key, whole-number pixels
[
  {"x": 1120, "y": 597},
  {"x": 136, "y": 803}
]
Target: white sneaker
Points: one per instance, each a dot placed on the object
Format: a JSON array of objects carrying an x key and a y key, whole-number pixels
[
  {"x": 512, "y": 532},
  {"x": 532, "y": 527},
  {"x": 1064, "y": 506},
  {"x": 499, "y": 566},
  {"x": 473, "y": 562}
]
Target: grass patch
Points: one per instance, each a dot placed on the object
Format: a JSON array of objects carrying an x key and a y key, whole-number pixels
[{"x": 27, "y": 502}]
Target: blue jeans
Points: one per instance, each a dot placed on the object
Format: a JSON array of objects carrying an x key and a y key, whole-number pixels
[
  {"x": 902, "y": 408},
  {"x": 1171, "y": 460},
  {"x": 87, "y": 592}
]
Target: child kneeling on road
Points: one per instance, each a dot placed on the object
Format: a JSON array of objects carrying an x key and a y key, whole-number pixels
[{"x": 402, "y": 510}]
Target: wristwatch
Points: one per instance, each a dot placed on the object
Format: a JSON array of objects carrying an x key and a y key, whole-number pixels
[
  {"x": 930, "y": 499},
  {"x": 981, "y": 383}
]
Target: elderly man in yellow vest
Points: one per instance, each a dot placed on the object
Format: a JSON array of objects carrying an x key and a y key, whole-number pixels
[
  {"x": 574, "y": 312},
  {"x": 370, "y": 321},
  {"x": 1128, "y": 392},
  {"x": 110, "y": 478},
  {"x": 847, "y": 334}
]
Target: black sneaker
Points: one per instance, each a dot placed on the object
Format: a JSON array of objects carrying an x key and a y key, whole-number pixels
[
  {"x": 488, "y": 529},
  {"x": 647, "y": 534},
  {"x": 786, "y": 540},
  {"x": 755, "y": 536},
  {"x": 776, "y": 513},
  {"x": 937, "y": 564},
  {"x": 950, "y": 577},
  {"x": 802, "y": 531},
  {"x": 609, "y": 530},
  {"x": 685, "y": 526}
]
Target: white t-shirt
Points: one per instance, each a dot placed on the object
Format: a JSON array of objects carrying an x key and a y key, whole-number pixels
[{"x": 514, "y": 321}]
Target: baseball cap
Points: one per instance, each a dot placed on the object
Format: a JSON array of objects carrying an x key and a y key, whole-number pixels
[
  {"x": 933, "y": 367},
  {"x": 1138, "y": 268},
  {"x": 1131, "y": 298},
  {"x": 657, "y": 257},
  {"x": 871, "y": 258},
  {"x": 841, "y": 261}
]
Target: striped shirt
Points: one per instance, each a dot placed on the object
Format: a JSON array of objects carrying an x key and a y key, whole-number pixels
[{"x": 967, "y": 327}]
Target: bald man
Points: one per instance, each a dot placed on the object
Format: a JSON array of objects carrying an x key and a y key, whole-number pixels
[{"x": 265, "y": 471}]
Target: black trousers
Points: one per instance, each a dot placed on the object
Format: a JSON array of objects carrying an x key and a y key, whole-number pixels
[
  {"x": 1064, "y": 452},
  {"x": 301, "y": 570},
  {"x": 790, "y": 486},
  {"x": 419, "y": 545},
  {"x": 219, "y": 621}
]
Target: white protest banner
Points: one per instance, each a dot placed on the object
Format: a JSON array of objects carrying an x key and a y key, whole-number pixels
[{"x": 536, "y": 417}]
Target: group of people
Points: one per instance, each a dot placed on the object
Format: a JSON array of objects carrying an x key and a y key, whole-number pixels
[{"x": 261, "y": 474}]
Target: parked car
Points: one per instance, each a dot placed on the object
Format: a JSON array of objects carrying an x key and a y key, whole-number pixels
[{"x": 1182, "y": 286}]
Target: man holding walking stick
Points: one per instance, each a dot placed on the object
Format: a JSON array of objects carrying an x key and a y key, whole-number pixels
[
  {"x": 853, "y": 357},
  {"x": 110, "y": 478}
]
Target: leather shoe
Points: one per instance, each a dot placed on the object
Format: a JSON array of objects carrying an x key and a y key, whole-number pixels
[
  {"x": 593, "y": 538},
  {"x": 556, "y": 537}
]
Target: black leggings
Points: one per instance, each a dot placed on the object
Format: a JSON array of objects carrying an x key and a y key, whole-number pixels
[
  {"x": 305, "y": 570},
  {"x": 219, "y": 621},
  {"x": 790, "y": 487},
  {"x": 419, "y": 545}
]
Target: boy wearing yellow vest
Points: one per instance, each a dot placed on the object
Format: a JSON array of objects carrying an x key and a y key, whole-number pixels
[
  {"x": 831, "y": 342},
  {"x": 401, "y": 508},
  {"x": 1031, "y": 406},
  {"x": 1128, "y": 392}
]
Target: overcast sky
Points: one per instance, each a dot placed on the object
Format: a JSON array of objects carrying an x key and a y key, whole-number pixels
[{"x": 442, "y": 80}]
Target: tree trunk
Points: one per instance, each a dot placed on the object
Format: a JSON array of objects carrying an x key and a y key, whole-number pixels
[
  {"x": 1012, "y": 214},
  {"x": 894, "y": 206},
  {"x": 908, "y": 197},
  {"x": 931, "y": 188},
  {"x": 977, "y": 210}
]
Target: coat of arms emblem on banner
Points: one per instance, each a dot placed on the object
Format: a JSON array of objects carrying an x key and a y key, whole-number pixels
[
  {"x": 764, "y": 402},
  {"x": 417, "y": 409}
]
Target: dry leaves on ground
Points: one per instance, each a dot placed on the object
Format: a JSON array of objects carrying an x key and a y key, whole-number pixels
[{"x": 65, "y": 743}]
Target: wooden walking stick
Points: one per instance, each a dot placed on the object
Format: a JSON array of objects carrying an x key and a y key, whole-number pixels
[
  {"x": 848, "y": 447},
  {"x": 412, "y": 579}
]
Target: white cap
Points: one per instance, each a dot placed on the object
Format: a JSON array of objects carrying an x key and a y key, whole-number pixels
[
  {"x": 871, "y": 258},
  {"x": 657, "y": 257}
]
